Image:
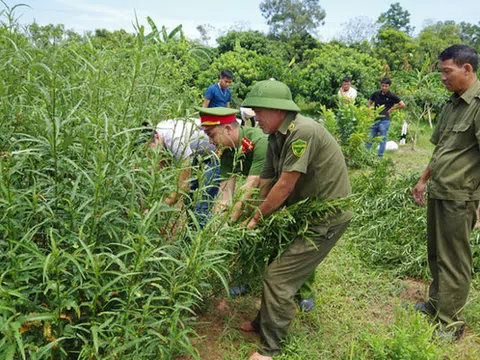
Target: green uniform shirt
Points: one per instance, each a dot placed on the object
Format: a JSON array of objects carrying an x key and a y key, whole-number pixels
[
  {"x": 303, "y": 145},
  {"x": 455, "y": 163},
  {"x": 249, "y": 157}
]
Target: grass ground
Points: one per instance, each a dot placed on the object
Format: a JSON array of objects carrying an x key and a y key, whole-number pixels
[{"x": 360, "y": 312}]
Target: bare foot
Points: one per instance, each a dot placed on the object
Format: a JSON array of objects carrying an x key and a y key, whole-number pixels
[
  {"x": 247, "y": 327},
  {"x": 257, "y": 356}
]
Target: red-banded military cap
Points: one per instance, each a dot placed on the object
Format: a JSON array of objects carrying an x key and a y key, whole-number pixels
[{"x": 217, "y": 116}]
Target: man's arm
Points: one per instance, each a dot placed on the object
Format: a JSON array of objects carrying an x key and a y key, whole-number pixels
[
  {"x": 251, "y": 183},
  {"x": 265, "y": 186},
  {"x": 370, "y": 103},
  {"x": 208, "y": 96},
  {"x": 276, "y": 196},
  {"x": 418, "y": 191},
  {"x": 400, "y": 105},
  {"x": 227, "y": 190},
  {"x": 229, "y": 99}
]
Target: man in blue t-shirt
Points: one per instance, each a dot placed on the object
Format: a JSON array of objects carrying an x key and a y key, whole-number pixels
[
  {"x": 390, "y": 102},
  {"x": 218, "y": 95}
]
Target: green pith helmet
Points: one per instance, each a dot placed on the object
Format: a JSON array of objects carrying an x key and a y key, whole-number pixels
[{"x": 270, "y": 94}]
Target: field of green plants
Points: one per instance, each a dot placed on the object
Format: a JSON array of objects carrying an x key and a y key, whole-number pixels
[{"x": 87, "y": 273}]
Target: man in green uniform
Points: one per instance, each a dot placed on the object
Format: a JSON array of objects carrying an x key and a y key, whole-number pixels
[
  {"x": 241, "y": 150},
  {"x": 453, "y": 192},
  {"x": 303, "y": 161}
]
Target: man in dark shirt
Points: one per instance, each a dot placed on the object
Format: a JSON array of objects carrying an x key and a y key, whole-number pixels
[{"x": 391, "y": 102}]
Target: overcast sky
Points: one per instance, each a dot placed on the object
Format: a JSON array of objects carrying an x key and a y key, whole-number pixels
[{"x": 82, "y": 15}]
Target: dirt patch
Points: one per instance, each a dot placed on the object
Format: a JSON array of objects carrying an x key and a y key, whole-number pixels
[
  {"x": 384, "y": 314},
  {"x": 218, "y": 326},
  {"x": 415, "y": 291},
  {"x": 408, "y": 149}
]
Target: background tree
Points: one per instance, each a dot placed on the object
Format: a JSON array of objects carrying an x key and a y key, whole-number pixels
[
  {"x": 287, "y": 17},
  {"x": 358, "y": 29},
  {"x": 396, "y": 18},
  {"x": 433, "y": 39},
  {"x": 297, "y": 45},
  {"x": 248, "y": 67},
  {"x": 325, "y": 68},
  {"x": 250, "y": 40},
  {"x": 116, "y": 39},
  {"x": 424, "y": 93},
  {"x": 395, "y": 48},
  {"x": 46, "y": 35},
  {"x": 205, "y": 33},
  {"x": 470, "y": 34}
]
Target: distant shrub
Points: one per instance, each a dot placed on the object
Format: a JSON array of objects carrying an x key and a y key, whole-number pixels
[{"x": 350, "y": 125}]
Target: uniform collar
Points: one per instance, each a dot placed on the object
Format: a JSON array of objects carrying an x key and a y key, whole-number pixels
[
  {"x": 286, "y": 122},
  {"x": 472, "y": 92}
]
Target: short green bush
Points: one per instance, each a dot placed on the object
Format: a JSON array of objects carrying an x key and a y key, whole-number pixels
[{"x": 389, "y": 229}]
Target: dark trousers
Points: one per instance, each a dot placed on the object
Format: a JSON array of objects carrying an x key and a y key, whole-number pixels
[
  {"x": 449, "y": 225},
  {"x": 204, "y": 186},
  {"x": 283, "y": 278}
]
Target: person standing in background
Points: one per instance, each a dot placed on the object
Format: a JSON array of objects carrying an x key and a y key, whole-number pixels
[
  {"x": 346, "y": 91},
  {"x": 390, "y": 101},
  {"x": 218, "y": 95}
]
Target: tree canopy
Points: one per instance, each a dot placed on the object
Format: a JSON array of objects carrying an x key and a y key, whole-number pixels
[
  {"x": 396, "y": 18},
  {"x": 287, "y": 17},
  {"x": 358, "y": 29}
]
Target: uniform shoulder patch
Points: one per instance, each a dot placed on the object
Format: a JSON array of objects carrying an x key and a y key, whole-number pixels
[
  {"x": 298, "y": 147},
  {"x": 247, "y": 145}
]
